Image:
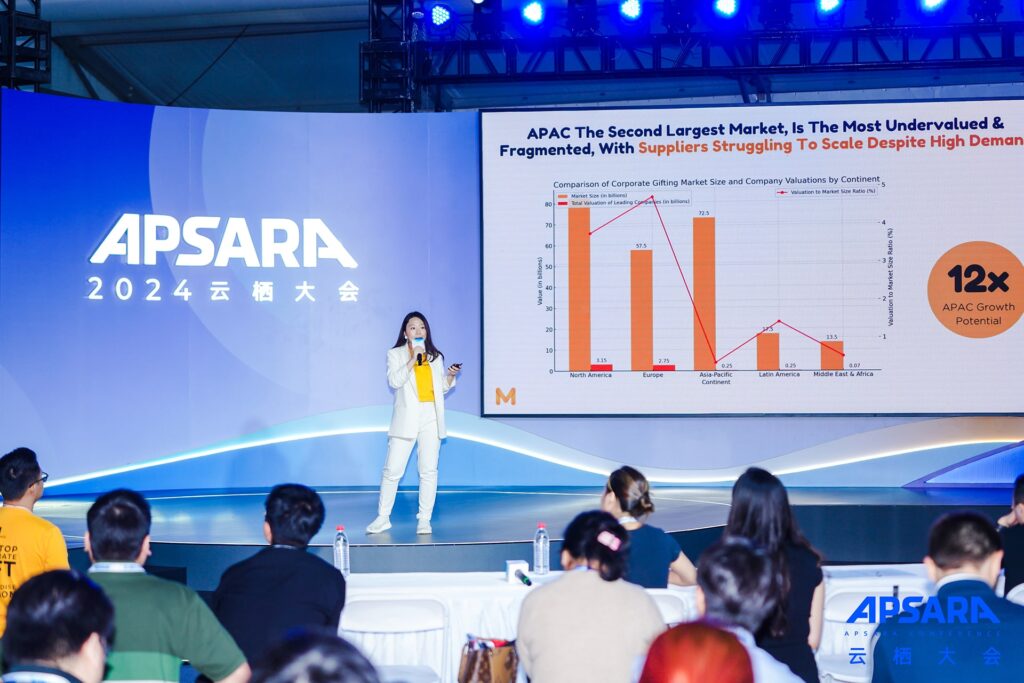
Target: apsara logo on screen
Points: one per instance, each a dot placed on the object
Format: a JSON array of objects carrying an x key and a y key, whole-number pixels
[{"x": 212, "y": 241}]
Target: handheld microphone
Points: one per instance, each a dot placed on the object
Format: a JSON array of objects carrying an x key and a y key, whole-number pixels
[
  {"x": 419, "y": 356},
  {"x": 523, "y": 577}
]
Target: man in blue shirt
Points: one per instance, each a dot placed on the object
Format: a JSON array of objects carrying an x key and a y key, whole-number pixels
[{"x": 965, "y": 632}]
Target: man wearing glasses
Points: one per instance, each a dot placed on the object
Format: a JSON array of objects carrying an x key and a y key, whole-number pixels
[{"x": 29, "y": 545}]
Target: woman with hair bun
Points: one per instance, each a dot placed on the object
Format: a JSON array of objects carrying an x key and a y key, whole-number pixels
[
  {"x": 589, "y": 624},
  {"x": 654, "y": 557}
]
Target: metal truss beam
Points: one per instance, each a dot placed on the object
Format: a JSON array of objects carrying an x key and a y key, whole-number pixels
[
  {"x": 25, "y": 44},
  {"x": 749, "y": 55}
]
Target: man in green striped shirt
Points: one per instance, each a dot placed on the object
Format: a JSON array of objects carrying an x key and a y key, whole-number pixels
[{"x": 158, "y": 623}]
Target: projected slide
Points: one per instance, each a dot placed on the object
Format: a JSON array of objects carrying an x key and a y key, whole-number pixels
[{"x": 845, "y": 259}]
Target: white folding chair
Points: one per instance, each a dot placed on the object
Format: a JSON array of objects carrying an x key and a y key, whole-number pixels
[
  {"x": 400, "y": 637},
  {"x": 673, "y": 608},
  {"x": 1016, "y": 594},
  {"x": 839, "y": 638}
]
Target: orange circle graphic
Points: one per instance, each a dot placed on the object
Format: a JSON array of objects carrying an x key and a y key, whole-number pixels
[{"x": 976, "y": 289}]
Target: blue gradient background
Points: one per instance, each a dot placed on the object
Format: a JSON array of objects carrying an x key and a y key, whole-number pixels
[{"x": 245, "y": 394}]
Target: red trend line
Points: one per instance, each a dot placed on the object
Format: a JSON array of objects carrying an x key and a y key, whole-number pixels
[
  {"x": 635, "y": 206},
  {"x": 748, "y": 341},
  {"x": 830, "y": 348},
  {"x": 682, "y": 275},
  {"x": 696, "y": 313}
]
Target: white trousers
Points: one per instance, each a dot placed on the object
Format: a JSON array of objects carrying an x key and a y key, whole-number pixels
[{"x": 399, "y": 451}]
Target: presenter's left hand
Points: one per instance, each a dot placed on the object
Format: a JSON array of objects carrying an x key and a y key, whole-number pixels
[{"x": 454, "y": 370}]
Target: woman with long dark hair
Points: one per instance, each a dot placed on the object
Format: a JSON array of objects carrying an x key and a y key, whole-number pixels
[
  {"x": 761, "y": 512},
  {"x": 416, "y": 372},
  {"x": 654, "y": 557},
  {"x": 589, "y": 624}
]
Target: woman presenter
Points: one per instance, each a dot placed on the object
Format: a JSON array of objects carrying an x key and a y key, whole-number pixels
[{"x": 416, "y": 372}]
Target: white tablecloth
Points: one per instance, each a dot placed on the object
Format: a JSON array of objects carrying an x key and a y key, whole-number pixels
[
  {"x": 483, "y": 604},
  {"x": 478, "y": 603}
]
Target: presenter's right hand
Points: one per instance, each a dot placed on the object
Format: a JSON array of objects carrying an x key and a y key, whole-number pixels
[{"x": 417, "y": 350}]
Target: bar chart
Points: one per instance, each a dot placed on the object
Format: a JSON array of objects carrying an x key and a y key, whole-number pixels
[{"x": 704, "y": 282}]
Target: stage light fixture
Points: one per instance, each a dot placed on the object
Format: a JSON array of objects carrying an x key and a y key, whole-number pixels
[
  {"x": 679, "y": 16},
  {"x": 931, "y": 6},
  {"x": 441, "y": 16},
  {"x": 881, "y": 12},
  {"x": 829, "y": 12},
  {"x": 630, "y": 10},
  {"x": 775, "y": 14},
  {"x": 488, "y": 22},
  {"x": 726, "y": 9},
  {"x": 985, "y": 11},
  {"x": 581, "y": 17},
  {"x": 533, "y": 13}
]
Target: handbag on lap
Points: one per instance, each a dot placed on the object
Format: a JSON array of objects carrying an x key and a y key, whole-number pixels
[{"x": 486, "y": 660}]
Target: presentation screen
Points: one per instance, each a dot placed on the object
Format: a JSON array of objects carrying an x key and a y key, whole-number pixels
[{"x": 827, "y": 259}]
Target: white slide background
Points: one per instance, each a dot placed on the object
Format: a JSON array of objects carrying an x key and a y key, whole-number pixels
[{"x": 837, "y": 241}]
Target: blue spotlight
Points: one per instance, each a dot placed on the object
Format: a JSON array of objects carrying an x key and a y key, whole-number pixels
[
  {"x": 631, "y": 9},
  {"x": 827, "y": 7},
  {"x": 726, "y": 8},
  {"x": 931, "y": 6},
  {"x": 533, "y": 13},
  {"x": 440, "y": 16}
]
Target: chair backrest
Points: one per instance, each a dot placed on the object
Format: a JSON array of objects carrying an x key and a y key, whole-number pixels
[
  {"x": 853, "y": 641},
  {"x": 1016, "y": 594},
  {"x": 398, "y": 632},
  {"x": 674, "y": 610}
]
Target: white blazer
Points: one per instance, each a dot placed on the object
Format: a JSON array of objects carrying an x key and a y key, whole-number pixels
[{"x": 405, "y": 422}]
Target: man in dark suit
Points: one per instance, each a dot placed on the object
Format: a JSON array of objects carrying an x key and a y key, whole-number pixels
[
  {"x": 1011, "y": 532},
  {"x": 965, "y": 632},
  {"x": 283, "y": 586}
]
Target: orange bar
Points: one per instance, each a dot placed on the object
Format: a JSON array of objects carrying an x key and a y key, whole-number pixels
[
  {"x": 579, "y": 289},
  {"x": 768, "y": 351},
  {"x": 704, "y": 293},
  {"x": 641, "y": 308},
  {"x": 832, "y": 355}
]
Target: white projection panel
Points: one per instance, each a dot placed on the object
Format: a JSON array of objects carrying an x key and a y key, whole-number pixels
[{"x": 832, "y": 259}]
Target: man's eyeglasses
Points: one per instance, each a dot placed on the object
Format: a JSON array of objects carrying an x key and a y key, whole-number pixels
[{"x": 42, "y": 479}]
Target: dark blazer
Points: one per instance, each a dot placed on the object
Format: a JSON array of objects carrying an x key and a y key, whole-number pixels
[
  {"x": 277, "y": 589},
  {"x": 972, "y": 636}
]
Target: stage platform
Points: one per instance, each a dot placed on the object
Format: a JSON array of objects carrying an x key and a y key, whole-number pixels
[{"x": 197, "y": 534}]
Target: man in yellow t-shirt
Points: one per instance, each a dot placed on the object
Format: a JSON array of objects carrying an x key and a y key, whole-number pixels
[{"x": 29, "y": 545}]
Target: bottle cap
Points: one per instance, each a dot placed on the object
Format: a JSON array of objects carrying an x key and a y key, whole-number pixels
[
  {"x": 542, "y": 525},
  {"x": 340, "y": 527}
]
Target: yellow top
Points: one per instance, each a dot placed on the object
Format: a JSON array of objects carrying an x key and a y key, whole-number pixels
[
  {"x": 424, "y": 381},
  {"x": 29, "y": 545}
]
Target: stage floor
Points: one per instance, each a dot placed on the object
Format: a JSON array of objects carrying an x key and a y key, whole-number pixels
[
  {"x": 475, "y": 515},
  {"x": 196, "y": 535}
]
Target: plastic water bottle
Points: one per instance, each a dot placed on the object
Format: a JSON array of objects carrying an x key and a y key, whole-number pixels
[
  {"x": 541, "y": 550},
  {"x": 341, "y": 551}
]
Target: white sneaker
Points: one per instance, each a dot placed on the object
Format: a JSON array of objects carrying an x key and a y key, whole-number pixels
[
  {"x": 423, "y": 527},
  {"x": 378, "y": 525}
]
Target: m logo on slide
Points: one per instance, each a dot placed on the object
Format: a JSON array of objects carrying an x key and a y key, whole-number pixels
[{"x": 501, "y": 397}]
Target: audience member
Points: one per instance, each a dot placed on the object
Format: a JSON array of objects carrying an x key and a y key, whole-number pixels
[
  {"x": 589, "y": 624},
  {"x": 760, "y": 511},
  {"x": 31, "y": 545},
  {"x": 965, "y": 632},
  {"x": 1011, "y": 533},
  {"x": 737, "y": 589},
  {"x": 59, "y": 624},
  {"x": 654, "y": 556},
  {"x": 697, "y": 652},
  {"x": 158, "y": 623},
  {"x": 314, "y": 657},
  {"x": 283, "y": 586}
]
